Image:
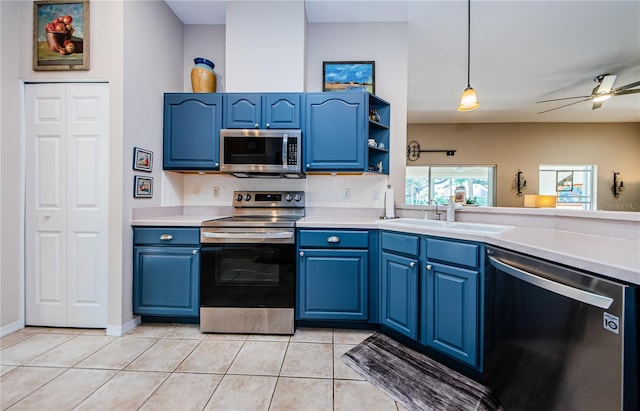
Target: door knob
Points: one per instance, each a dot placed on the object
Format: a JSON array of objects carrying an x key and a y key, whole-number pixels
[
  {"x": 429, "y": 267},
  {"x": 412, "y": 264},
  {"x": 301, "y": 253}
]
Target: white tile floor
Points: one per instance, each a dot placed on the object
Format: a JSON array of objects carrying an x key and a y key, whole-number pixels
[{"x": 175, "y": 367}]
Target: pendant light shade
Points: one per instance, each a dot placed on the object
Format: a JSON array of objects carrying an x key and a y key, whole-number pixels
[{"x": 469, "y": 99}]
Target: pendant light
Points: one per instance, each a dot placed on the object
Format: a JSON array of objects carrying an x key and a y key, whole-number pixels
[{"x": 469, "y": 99}]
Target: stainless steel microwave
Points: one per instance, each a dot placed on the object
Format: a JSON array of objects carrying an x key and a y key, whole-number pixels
[{"x": 261, "y": 153}]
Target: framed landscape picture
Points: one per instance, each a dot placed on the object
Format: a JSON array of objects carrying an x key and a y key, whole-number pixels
[
  {"x": 349, "y": 76},
  {"x": 61, "y": 35},
  {"x": 142, "y": 187}
]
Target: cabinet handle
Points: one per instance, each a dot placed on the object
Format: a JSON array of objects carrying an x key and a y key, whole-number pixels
[
  {"x": 256, "y": 125},
  {"x": 429, "y": 267},
  {"x": 216, "y": 165},
  {"x": 412, "y": 264},
  {"x": 166, "y": 237},
  {"x": 195, "y": 252},
  {"x": 333, "y": 239},
  {"x": 301, "y": 253},
  {"x": 268, "y": 125}
]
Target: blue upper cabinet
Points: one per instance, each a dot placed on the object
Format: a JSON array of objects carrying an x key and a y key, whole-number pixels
[
  {"x": 192, "y": 124},
  {"x": 335, "y": 132},
  {"x": 262, "y": 110},
  {"x": 337, "y": 129}
]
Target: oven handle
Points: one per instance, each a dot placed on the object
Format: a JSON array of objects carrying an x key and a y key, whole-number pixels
[
  {"x": 240, "y": 236},
  {"x": 577, "y": 294}
]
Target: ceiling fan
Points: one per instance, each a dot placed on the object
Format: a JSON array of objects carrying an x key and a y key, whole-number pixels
[{"x": 602, "y": 92}]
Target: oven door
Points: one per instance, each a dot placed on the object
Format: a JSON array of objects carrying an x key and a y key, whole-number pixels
[{"x": 247, "y": 288}]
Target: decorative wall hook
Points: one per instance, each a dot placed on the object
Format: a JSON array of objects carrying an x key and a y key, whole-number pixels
[
  {"x": 521, "y": 183},
  {"x": 413, "y": 151},
  {"x": 618, "y": 186}
]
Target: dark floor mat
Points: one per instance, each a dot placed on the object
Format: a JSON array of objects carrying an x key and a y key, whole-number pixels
[{"x": 415, "y": 380}]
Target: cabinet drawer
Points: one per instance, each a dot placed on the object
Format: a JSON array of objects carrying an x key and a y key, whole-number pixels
[
  {"x": 453, "y": 252},
  {"x": 401, "y": 243},
  {"x": 166, "y": 236},
  {"x": 333, "y": 238}
]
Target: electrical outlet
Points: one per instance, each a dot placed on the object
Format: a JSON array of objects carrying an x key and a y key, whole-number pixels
[
  {"x": 346, "y": 193},
  {"x": 216, "y": 192}
]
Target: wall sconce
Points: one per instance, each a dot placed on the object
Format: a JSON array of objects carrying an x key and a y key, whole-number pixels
[
  {"x": 521, "y": 183},
  {"x": 617, "y": 187}
]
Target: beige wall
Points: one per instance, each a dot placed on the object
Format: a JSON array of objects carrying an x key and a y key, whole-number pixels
[
  {"x": 106, "y": 61},
  {"x": 153, "y": 65},
  {"x": 524, "y": 146}
]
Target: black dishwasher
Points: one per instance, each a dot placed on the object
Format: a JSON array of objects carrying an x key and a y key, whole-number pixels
[{"x": 558, "y": 338}]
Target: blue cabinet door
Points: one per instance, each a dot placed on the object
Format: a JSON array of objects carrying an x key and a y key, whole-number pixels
[
  {"x": 191, "y": 139},
  {"x": 399, "y": 292},
  {"x": 282, "y": 110},
  {"x": 333, "y": 284},
  {"x": 262, "y": 110},
  {"x": 166, "y": 281},
  {"x": 335, "y": 132},
  {"x": 450, "y": 319},
  {"x": 243, "y": 110}
]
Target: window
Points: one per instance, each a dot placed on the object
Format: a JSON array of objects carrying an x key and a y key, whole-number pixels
[
  {"x": 425, "y": 183},
  {"x": 572, "y": 184}
]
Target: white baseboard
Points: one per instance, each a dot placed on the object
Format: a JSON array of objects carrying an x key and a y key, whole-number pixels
[
  {"x": 10, "y": 328},
  {"x": 119, "y": 331}
]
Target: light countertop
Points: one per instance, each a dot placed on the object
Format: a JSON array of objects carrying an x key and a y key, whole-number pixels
[{"x": 611, "y": 257}]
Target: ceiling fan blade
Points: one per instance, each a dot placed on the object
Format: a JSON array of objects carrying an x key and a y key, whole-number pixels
[
  {"x": 605, "y": 84},
  {"x": 560, "y": 99},
  {"x": 623, "y": 92},
  {"x": 597, "y": 104},
  {"x": 566, "y": 105},
  {"x": 625, "y": 87}
]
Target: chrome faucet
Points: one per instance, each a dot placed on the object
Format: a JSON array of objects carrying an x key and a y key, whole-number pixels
[{"x": 437, "y": 213}]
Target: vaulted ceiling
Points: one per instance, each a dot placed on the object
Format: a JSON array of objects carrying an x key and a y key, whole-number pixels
[{"x": 521, "y": 52}]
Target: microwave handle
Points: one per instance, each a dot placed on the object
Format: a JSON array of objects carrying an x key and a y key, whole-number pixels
[{"x": 285, "y": 147}]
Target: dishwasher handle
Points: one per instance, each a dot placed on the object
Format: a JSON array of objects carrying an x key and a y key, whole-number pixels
[{"x": 577, "y": 294}]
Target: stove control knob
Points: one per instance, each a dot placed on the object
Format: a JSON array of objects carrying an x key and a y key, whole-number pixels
[
  {"x": 239, "y": 197},
  {"x": 248, "y": 197},
  {"x": 297, "y": 197},
  {"x": 288, "y": 197}
]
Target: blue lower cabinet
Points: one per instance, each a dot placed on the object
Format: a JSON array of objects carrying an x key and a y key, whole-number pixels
[
  {"x": 449, "y": 311},
  {"x": 332, "y": 284},
  {"x": 399, "y": 294},
  {"x": 166, "y": 281}
]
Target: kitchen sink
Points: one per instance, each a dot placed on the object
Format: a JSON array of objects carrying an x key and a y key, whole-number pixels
[{"x": 453, "y": 226}]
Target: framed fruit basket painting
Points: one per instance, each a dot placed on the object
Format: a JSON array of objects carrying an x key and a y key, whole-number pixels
[{"x": 61, "y": 35}]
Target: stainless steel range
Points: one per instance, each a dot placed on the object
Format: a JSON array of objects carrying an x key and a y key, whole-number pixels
[{"x": 248, "y": 265}]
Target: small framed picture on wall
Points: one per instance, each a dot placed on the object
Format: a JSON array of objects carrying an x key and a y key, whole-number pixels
[
  {"x": 349, "y": 76},
  {"x": 142, "y": 187},
  {"x": 142, "y": 159}
]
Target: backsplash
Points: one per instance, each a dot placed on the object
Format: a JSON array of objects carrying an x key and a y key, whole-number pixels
[{"x": 343, "y": 191}]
